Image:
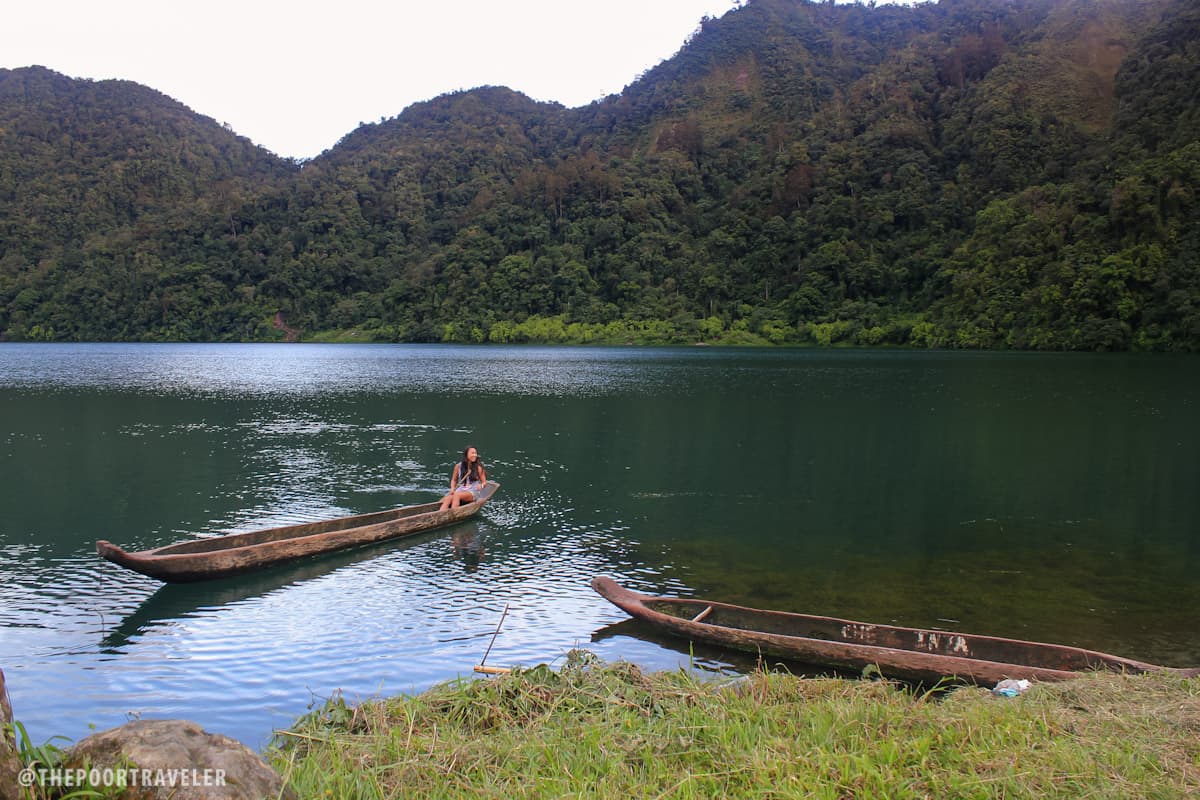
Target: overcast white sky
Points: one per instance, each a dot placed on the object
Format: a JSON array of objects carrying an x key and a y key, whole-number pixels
[{"x": 296, "y": 76}]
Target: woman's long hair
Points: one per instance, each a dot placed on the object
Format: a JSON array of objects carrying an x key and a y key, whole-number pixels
[{"x": 468, "y": 472}]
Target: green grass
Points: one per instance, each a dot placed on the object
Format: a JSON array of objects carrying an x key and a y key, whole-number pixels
[{"x": 595, "y": 730}]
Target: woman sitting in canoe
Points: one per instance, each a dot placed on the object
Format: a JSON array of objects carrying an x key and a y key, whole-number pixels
[{"x": 466, "y": 481}]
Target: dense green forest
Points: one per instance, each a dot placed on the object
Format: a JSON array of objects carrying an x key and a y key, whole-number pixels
[{"x": 970, "y": 174}]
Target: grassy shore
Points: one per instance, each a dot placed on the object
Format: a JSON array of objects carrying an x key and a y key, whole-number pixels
[{"x": 610, "y": 730}]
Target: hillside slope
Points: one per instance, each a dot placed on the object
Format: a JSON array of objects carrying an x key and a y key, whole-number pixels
[{"x": 971, "y": 173}]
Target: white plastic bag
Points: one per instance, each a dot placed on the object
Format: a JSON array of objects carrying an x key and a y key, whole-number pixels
[{"x": 1011, "y": 688}]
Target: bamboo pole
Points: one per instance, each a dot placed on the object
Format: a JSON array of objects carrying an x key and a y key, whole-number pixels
[{"x": 492, "y": 670}]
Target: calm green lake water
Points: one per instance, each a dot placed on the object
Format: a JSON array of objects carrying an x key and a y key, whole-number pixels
[{"x": 1048, "y": 497}]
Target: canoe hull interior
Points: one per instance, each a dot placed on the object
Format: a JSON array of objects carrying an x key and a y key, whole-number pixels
[
  {"x": 222, "y": 556},
  {"x": 910, "y": 654}
]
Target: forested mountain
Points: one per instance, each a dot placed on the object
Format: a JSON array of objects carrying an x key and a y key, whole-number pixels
[
  {"x": 94, "y": 177},
  {"x": 971, "y": 173}
]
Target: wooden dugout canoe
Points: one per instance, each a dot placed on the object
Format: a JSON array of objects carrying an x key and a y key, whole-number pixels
[
  {"x": 909, "y": 654},
  {"x": 221, "y": 556}
]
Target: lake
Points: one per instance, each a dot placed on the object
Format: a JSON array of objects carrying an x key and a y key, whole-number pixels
[{"x": 1039, "y": 496}]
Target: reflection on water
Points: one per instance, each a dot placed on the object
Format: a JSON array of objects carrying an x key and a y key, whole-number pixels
[
  {"x": 174, "y": 600},
  {"x": 286, "y": 370},
  {"x": 1042, "y": 497},
  {"x": 469, "y": 546}
]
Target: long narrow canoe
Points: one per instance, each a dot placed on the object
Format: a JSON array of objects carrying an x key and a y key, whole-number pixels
[
  {"x": 910, "y": 654},
  {"x": 221, "y": 556}
]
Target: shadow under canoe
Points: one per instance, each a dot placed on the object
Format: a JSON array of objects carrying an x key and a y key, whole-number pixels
[{"x": 170, "y": 602}]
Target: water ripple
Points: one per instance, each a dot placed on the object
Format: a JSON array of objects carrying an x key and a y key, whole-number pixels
[
  {"x": 652, "y": 466},
  {"x": 306, "y": 370}
]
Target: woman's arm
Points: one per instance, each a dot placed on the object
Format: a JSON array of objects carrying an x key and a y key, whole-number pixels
[{"x": 454, "y": 477}]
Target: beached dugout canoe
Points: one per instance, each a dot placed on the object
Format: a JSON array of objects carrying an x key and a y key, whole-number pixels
[
  {"x": 221, "y": 556},
  {"x": 910, "y": 654}
]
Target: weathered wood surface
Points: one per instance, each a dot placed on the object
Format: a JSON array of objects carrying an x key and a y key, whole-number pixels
[
  {"x": 221, "y": 556},
  {"x": 911, "y": 654}
]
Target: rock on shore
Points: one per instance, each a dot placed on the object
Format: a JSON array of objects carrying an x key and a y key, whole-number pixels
[{"x": 202, "y": 765}]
